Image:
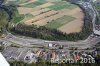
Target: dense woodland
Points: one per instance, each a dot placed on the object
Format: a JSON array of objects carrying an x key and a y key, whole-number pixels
[
  {"x": 6, "y": 13},
  {"x": 52, "y": 34},
  {"x": 3, "y": 21}
]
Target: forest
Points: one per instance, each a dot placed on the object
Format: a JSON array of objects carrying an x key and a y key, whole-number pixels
[{"x": 6, "y": 13}]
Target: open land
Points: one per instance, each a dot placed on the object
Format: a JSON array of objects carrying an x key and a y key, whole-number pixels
[{"x": 67, "y": 17}]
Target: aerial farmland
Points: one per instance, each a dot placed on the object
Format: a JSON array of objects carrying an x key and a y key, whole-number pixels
[{"x": 53, "y": 14}]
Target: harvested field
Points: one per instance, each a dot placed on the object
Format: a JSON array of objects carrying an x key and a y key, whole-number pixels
[
  {"x": 40, "y": 17},
  {"x": 59, "y": 22},
  {"x": 75, "y": 25},
  {"x": 53, "y": 14},
  {"x": 35, "y": 13},
  {"x": 43, "y": 22},
  {"x": 24, "y": 10}
]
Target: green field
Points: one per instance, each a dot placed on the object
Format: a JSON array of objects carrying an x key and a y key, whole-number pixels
[
  {"x": 97, "y": 6},
  {"x": 34, "y": 4},
  {"x": 22, "y": 1},
  {"x": 27, "y": 17},
  {"x": 18, "y": 18},
  {"x": 59, "y": 22},
  {"x": 58, "y": 5},
  {"x": 17, "y": 1}
]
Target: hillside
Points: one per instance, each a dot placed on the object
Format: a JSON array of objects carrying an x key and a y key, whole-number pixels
[
  {"x": 49, "y": 20},
  {"x": 49, "y": 13},
  {"x": 6, "y": 13},
  {"x": 3, "y": 21}
]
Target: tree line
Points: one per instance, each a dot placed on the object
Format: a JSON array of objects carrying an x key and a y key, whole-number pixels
[
  {"x": 6, "y": 14},
  {"x": 53, "y": 34}
]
